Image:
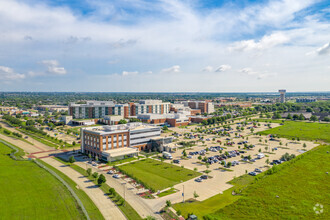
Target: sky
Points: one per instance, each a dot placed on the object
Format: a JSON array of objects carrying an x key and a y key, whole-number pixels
[{"x": 164, "y": 45}]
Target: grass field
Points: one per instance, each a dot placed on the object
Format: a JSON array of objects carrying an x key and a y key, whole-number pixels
[
  {"x": 216, "y": 202},
  {"x": 303, "y": 130},
  {"x": 127, "y": 209},
  {"x": 289, "y": 194},
  {"x": 156, "y": 174},
  {"x": 29, "y": 192},
  {"x": 93, "y": 212}
]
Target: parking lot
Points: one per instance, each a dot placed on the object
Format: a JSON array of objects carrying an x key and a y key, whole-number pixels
[{"x": 261, "y": 149}]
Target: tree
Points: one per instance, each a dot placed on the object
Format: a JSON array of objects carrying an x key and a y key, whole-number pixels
[
  {"x": 195, "y": 195},
  {"x": 184, "y": 153},
  {"x": 112, "y": 191},
  {"x": 122, "y": 121},
  {"x": 178, "y": 213},
  {"x": 259, "y": 150},
  {"x": 267, "y": 161},
  {"x": 195, "y": 169},
  {"x": 72, "y": 160},
  {"x": 73, "y": 143},
  {"x": 89, "y": 171},
  {"x": 95, "y": 175},
  {"x": 101, "y": 179},
  {"x": 252, "y": 129},
  {"x": 304, "y": 145},
  {"x": 165, "y": 128},
  {"x": 168, "y": 203},
  {"x": 313, "y": 118},
  {"x": 229, "y": 164}
]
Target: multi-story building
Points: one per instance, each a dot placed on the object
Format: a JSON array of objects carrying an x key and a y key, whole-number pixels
[
  {"x": 205, "y": 106},
  {"x": 125, "y": 139},
  {"x": 99, "y": 109},
  {"x": 149, "y": 106}
]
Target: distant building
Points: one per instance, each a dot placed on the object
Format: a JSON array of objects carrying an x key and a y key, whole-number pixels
[
  {"x": 205, "y": 106},
  {"x": 282, "y": 95},
  {"x": 299, "y": 100},
  {"x": 108, "y": 142},
  {"x": 100, "y": 109}
]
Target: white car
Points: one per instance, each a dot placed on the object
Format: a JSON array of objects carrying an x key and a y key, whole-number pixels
[
  {"x": 257, "y": 170},
  {"x": 110, "y": 172},
  {"x": 116, "y": 176}
]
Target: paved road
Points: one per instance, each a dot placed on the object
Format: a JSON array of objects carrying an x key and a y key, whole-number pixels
[
  {"x": 38, "y": 145},
  {"x": 138, "y": 203},
  {"x": 108, "y": 209}
]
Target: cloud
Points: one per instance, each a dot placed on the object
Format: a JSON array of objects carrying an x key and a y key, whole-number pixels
[
  {"x": 115, "y": 61},
  {"x": 266, "y": 42},
  {"x": 53, "y": 67},
  {"x": 7, "y": 73},
  {"x": 123, "y": 43},
  {"x": 126, "y": 73},
  {"x": 208, "y": 69},
  {"x": 223, "y": 68},
  {"x": 325, "y": 49},
  {"x": 251, "y": 72},
  {"x": 173, "y": 69}
]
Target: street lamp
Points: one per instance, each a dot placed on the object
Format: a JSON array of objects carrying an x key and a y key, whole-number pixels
[
  {"x": 182, "y": 192},
  {"x": 124, "y": 192}
]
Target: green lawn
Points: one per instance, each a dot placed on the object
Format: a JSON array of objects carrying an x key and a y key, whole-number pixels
[
  {"x": 216, "y": 202},
  {"x": 290, "y": 193},
  {"x": 29, "y": 192},
  {"x": 126, "y": 208},
  {"x": 157, "y": 175},
  {"x": 303, "y": 130},
  {"x": 93, "y": 212}
]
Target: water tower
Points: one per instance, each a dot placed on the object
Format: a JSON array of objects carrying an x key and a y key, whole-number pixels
[{"x": 282, "y": 95}]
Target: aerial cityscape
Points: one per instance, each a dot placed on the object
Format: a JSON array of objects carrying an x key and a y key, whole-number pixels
[{"x": 164, "y": 110}]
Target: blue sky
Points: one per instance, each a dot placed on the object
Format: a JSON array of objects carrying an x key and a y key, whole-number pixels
[{"x": 164, "y": 45}]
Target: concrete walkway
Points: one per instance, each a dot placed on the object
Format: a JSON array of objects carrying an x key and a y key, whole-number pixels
[
  {"x": 108, "y": 209},
  {"x": 139, "y": 204}
]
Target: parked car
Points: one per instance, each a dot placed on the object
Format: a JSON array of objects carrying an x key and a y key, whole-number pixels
[
  {"x": 198, "y": 180},
  {"x": 257, "y": 170},
  {"x": 116, "y": 176},
  {"x": 253, "y": 173},
  {"x": 110, "y": 172},
  {"x": 176, "y": 161},
  {"x": 204, "y": 177}
]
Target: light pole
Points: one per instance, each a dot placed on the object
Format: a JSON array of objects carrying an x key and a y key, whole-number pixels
[
  {"x": 183, "y": 193},
  {"x": 124, "y": 193}
]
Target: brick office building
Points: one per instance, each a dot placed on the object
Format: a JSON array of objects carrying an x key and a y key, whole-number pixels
[{"x": 128, "y": 139}]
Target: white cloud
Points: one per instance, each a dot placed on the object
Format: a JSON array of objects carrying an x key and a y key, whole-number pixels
[
  {"x": 126, "y": 73},
  {"x": 115, "y": 61},
  {"x": 7, "y": 73},
  {"x": 248, "y": 71},
  {"x": 223, "y": 68},
  {"x": 251, "y": 72},
  {"x": 53, "y": 67},
  {"x": 208, "y": 69},
  {"x": 266, "y": 42},
  {"x": 173, "y": 69},
  {"x": 325, "y": 49}
]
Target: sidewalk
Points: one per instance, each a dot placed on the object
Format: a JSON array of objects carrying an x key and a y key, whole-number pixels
[
  {"x": 139, "y": 204},
  {"x": 108, "y": 209}
]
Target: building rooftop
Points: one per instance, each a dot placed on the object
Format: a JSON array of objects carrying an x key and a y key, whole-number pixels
[
  {"x": 106, "y": 129},
  {"x": 121, "y": 151}
]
